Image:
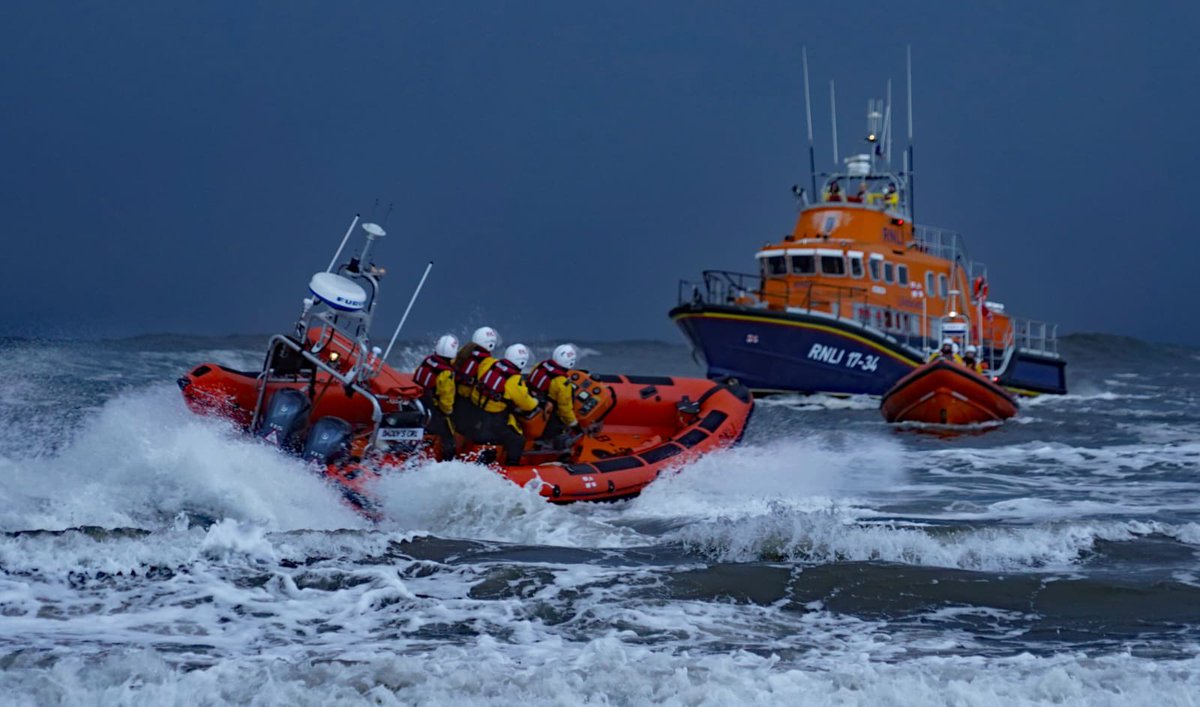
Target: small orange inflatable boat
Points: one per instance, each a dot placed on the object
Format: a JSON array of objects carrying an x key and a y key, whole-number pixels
[
  {"x": 947, "y": 393},
  {"x": 325, "y": 394}
]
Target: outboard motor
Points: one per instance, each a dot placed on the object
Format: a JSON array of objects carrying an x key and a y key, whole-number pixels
[
  {"x": 328, "y": 441},
  {"x": 285, "y": 419}
]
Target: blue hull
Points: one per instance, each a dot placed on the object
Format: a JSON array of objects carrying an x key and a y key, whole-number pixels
[
  {"x": 776, "y": 351},
  {"x": 771, "y": 351},
  {"x": 1031, "y": 372}
]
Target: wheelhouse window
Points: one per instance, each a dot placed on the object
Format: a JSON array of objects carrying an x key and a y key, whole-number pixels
[
  {"x": 804, "y": 264},
  {"x": 889, "y": 272},
  {"x": 942, "y": 287},
  {"x": 902, "y": 274},
  {"x": 929, "y": 291},
  {"x": 856, "y": 265},
  {"x": 875, "y": 266},
  {"x": 776, "y": 265},
  {"x": 833, "y": 265}
]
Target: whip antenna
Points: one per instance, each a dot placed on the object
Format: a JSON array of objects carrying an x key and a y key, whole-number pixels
[
  {"x": 909, "y": 166},
  {"x": 407, "y": 310},
  {"x": 812, "y": 160},
  {"x": 833, "y": 119},
  {"x": 343, "y": 245}
]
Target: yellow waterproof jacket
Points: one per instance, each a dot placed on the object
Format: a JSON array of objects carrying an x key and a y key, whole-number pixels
[
  {"x": 444, "y": 392},
  {"x": 938, "y": 354},
  {"x": 561, "y": 393},
  {"x": 516, "y": 396},
  {"x": 465, "y": 390}
]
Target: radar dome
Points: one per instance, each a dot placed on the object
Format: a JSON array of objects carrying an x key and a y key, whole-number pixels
[{"x": 338, "y": 292}]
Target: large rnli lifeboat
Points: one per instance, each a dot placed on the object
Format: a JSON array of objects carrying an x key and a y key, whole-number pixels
[
  {"x": 852, "y": 299},
  {"x": 947, "y": 393},
  {"x": 325, "y": 394}
]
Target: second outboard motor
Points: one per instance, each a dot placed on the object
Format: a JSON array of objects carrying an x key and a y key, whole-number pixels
[
  {"x": 328, "y": 440},
  {"x": 284, "y": 419}
]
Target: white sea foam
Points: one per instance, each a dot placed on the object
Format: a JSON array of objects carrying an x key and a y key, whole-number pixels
[
  {"x": 458, "y": 499},
  {"x": 607, "y": 670},
  {"x": 143, "y": 458},
  {"x": 837, "y": 535},
  {"x": 820, "y": 402},
  {"x": 802, "y": 472}
]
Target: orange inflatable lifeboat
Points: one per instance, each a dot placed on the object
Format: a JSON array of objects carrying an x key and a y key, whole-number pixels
[
  {"x": 947, "y": 393},
  {"x": 326, "y": 395},
  {"x": 637, "y": 428}
]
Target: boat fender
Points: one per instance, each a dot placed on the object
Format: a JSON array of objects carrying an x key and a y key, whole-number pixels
[
  {"x": 285, "y": 419},
  {"x": 328, "y": 440}
]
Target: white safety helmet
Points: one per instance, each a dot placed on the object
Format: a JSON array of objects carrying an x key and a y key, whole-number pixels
[
  {"x": 971, "y": 349},
  {"x": 566, "y": 355},
  {"x": 517, "y": 355},
  {"x": 486, "y": 337},
  {"x": 447, "y": 346},
  {"x": 947, "y": 342}
]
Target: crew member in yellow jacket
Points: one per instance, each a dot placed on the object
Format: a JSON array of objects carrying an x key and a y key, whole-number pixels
[
  {"x": 948, "y": 352},
  {"x": 499, "y": 393},
  {"x": 971, "y": 360},
  {"x": 435, "y": 375},
  {"x": 549, "y": 383},
  {"x": 467, "y": 365}
]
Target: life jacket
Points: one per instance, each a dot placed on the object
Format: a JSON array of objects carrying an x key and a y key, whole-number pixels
[
  {"x": 427, "y": 373},
  {"x": 491, "y": 385},
  {"x": 540, "y": 377},
  {"x": 468, "y": 370}
]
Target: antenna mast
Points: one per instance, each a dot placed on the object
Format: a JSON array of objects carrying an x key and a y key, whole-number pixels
[
  {"x": 812, "y": 160},
  {"x": 343, "y": 245},
  {"x": 909, "y": 166},
  {"x": 833, "y": 118},
  {"x": 887, "y": 126}
]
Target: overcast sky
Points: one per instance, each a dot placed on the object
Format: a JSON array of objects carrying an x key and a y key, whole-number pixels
[{"x": 185, "y": 167}]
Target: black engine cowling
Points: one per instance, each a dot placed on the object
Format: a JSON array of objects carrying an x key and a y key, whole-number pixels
[
  {"x": 328, "y": 441},
  {"x": 284, "y": 419}
]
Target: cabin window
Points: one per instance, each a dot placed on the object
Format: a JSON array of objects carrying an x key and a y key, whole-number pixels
[
  {"x": 929, "y": 291},
  {"x": 902, "y": 274},
  {"x": 833, "y": 265},
  {"x": 889, "y": 272},
  {"x": 942, "y": 286},
  {"x": 856, "y": 268},
  {"x": 777, "y": 265},
  {"x": 804, "y": 264},
  {"x": 875, "y": 269}
]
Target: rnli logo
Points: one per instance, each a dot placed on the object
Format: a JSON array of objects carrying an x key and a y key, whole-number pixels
[{"x": 751, "y": 338}]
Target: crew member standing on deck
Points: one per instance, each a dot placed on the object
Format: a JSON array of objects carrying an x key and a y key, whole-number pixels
[
  {"x": 435, "y": 375},
  {"x": 970, "y": 358},
  {"x": 500, "y": 393},
  {"x": 548, "y": 382},
  {"x": 833, "y": 192},
  {"x": 467, "y": 368},
  {"x": 947, "y": 352}
]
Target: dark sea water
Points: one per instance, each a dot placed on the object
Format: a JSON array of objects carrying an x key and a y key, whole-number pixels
[{"x": 148, "y": 556}]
